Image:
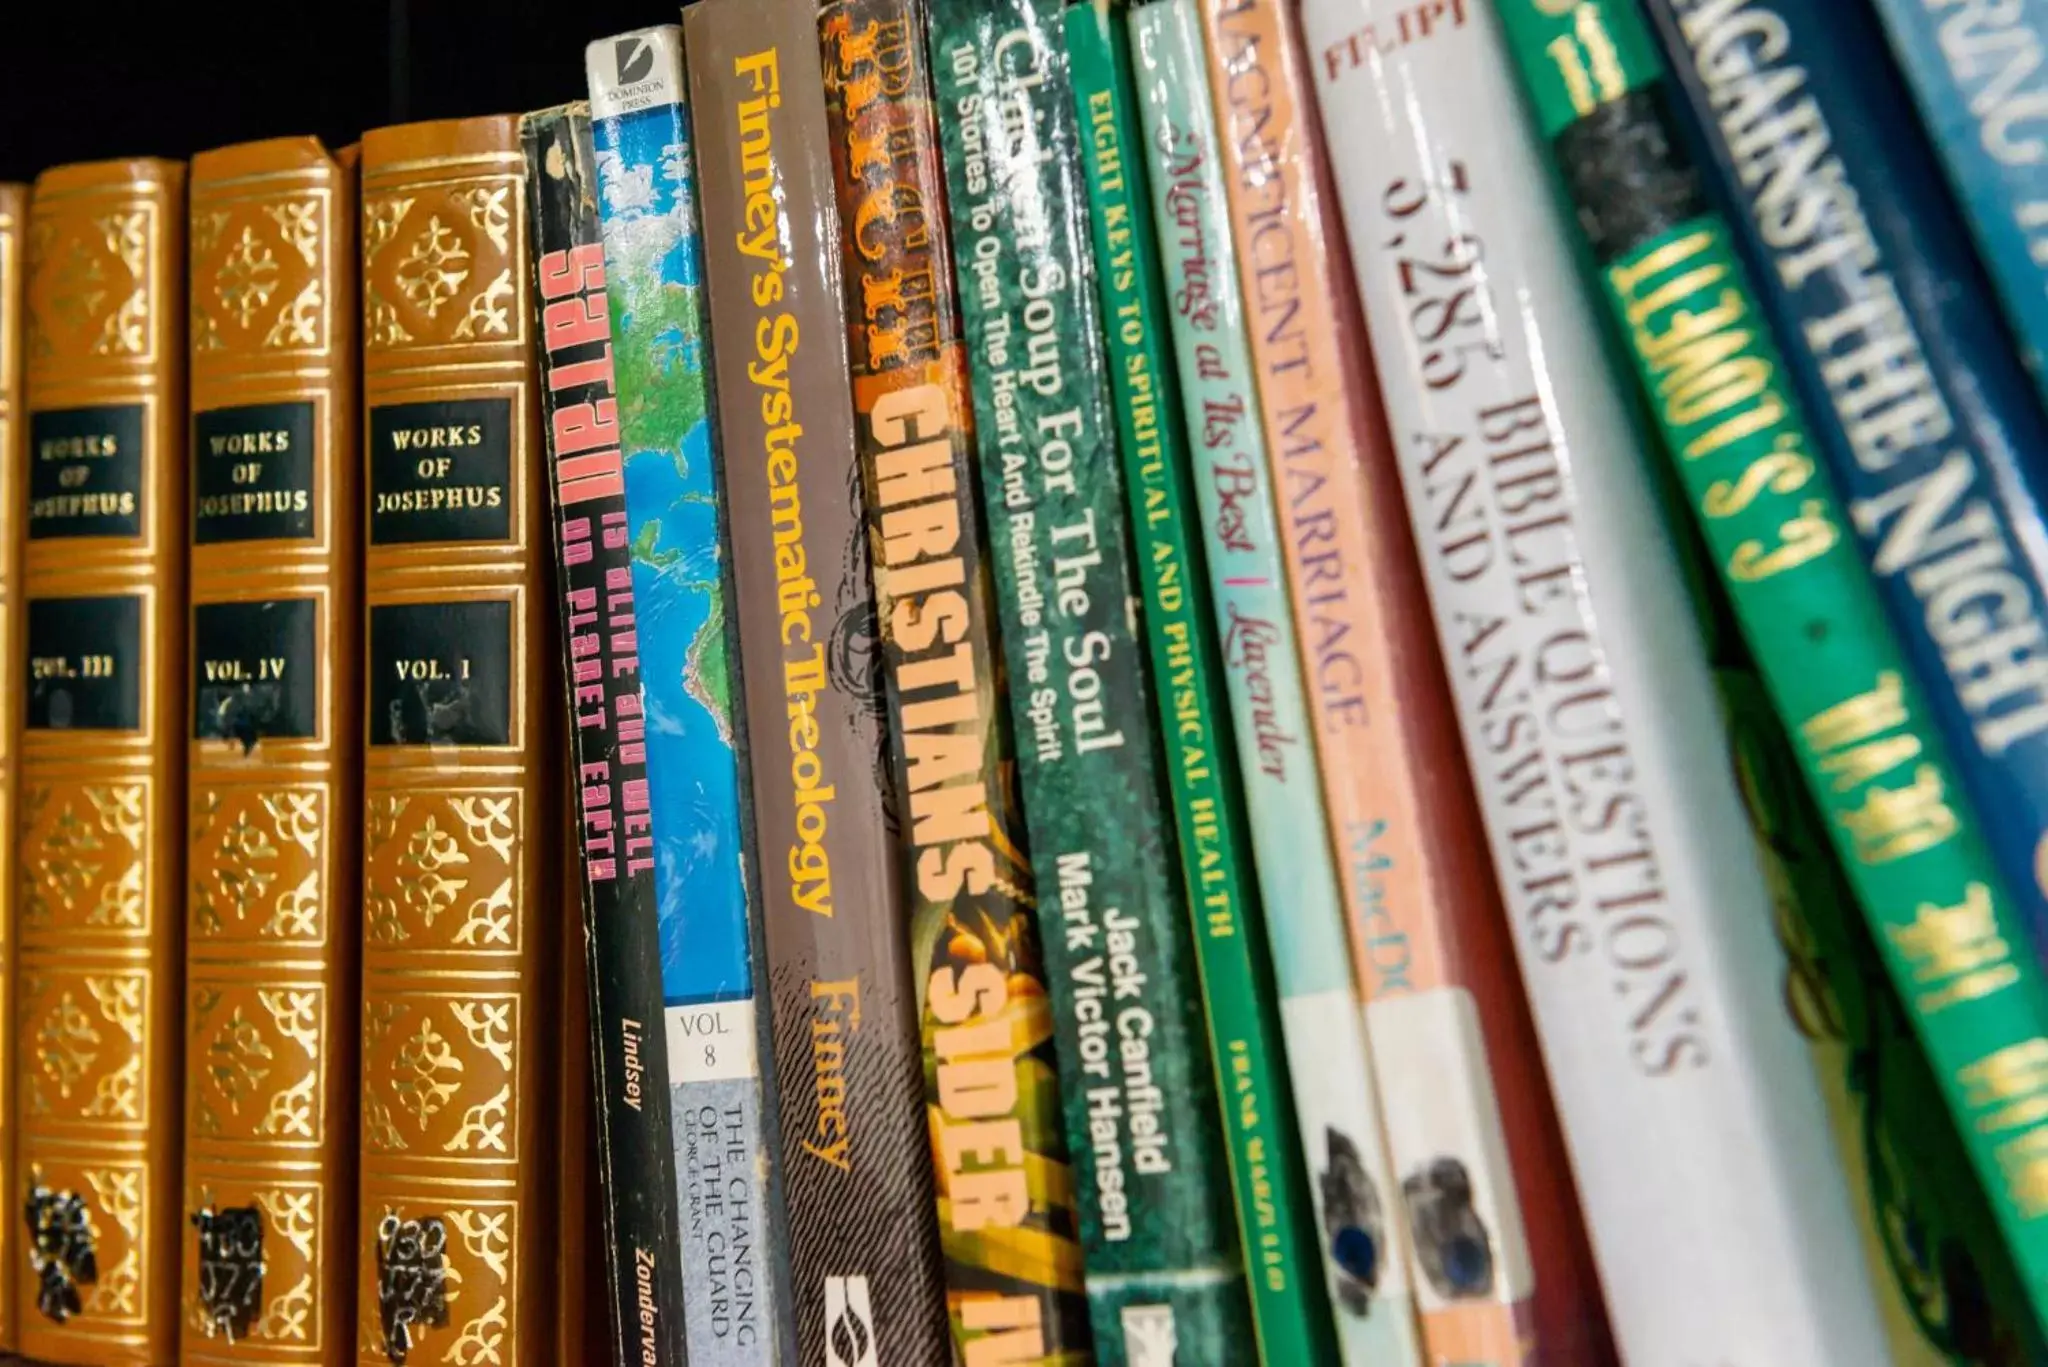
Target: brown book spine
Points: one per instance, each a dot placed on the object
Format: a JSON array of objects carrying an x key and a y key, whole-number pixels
[
  {"x": 461, "y": 880},
  {"x": 274, "y": 760},
  {"x": 961, "y": 833},
  {"x": 13, "y": 221},
  {"x": 848, "y": 1056},
  {"x": 102, "y": 765}
]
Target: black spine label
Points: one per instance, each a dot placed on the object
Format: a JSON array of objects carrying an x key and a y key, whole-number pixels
[
  {"x": 255, "y": 670},
  {"x": 441, "y": 471},
  {"x": 441, "y": 673},
  {"x": 252, "y": 470},
  {"x": 85, "y": 471},
  {"x": 61, "y": 1254},
  {"x": 85, "y": 664},
  {"x": 1628, "y": 173}
]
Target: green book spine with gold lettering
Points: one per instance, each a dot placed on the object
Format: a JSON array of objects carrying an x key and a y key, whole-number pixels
[
  {"x": 1136, "y": 1081},
  {"x": 1948, "y": 934}
]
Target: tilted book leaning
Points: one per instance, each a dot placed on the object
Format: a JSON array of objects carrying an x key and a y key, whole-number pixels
[{"x": 1645, "y": 927}]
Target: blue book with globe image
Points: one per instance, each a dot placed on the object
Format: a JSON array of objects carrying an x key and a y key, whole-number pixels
[{"x": 654, "y": 279}]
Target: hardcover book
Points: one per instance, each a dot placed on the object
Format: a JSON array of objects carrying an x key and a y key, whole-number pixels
[
  {"x": 102, "y": 767},
  {"x": 13, "y": 226},
  {"x": 1620, "y": 841},
  {"x": 1920, "y": 405},
  {"x": 1142, "y": 1119},
  {"x": 612, "y": 851},
  {"x": 274, "y": 759},
  {"x": 735, "y": 1291},
  {"x": 457, "y": 1224},
  {"x": 960, "y": 826},
  {"x": 1973, "y": 74},
  {"x": 1868, "y": 750},
  {"x": 1208, "y": 801},
  {"x": 1253, "y": 635}
]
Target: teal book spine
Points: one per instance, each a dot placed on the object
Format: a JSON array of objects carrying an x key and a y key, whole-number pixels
[
  {"x": 1135, "y": 1072},
  {"x": 1247, "y": 598},
  {"x": 654, "y": 272}
]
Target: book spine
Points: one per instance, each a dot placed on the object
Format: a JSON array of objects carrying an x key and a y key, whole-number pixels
[
  {"x": 13, "y": 468},
  {"x": 1347, "y": 552},
  {"x": 597, "y": 612},
  {"x": 1972, "y": 72},
  {"x": 860, "y": 1224},
  {"x": 735, "y": 1295},
  {"x": 1920, "y": 406},
  {"x": 1208, "y": 801},
  {"x": 101, "y": 843},
  {"x": 1138, "y": 1119},
  {"x": 1871, "y": 757},
  {"x": 274, "y": 759},
  {"x": 960, "y": 827},
  {"x": 1568, "y": 623},
  {"x": 1427, "y": 936},
  {"x": 1266, "y": 695},
  {"x": 463, "y": 827}
]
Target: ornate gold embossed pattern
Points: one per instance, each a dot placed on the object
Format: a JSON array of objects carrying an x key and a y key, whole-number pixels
[
  {"x": 273, "y": 854},
  {"x": 99, "y": 856},
  {"x": 461, "y": 871},
  {"x": 13, "y": 215}
]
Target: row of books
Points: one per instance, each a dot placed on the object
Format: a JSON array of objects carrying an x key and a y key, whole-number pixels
[{"x": 911, "y": 686}]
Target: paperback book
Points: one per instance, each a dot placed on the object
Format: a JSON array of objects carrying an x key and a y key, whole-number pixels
[
  {"x": 1090, "y": 764},
  {"x": 733, "y": 1295},
  {"x": 1253, "y": 635},
  {"x": 1621, "y": 842},
  {"x": 1974, "y": 73},
  {"x": 602, "y": 648},
  {"x": 1919, "y": 405},
  {"x": 1868, "y": 750},
  {"x": 965, "y": 875},
  {"x": 1212, "y": 1310}
]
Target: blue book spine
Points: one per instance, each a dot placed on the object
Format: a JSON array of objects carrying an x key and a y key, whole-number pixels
[
  {"x": 653, "y": 249},
  {"x": 1979, "y": 74},
  {"x": 1926, "y": 416}
]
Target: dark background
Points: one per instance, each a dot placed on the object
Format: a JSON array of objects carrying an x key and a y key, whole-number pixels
[{"x": 86, "y": 79}]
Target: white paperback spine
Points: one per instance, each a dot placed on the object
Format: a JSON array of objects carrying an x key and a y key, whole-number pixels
[{"x": 1642, "y": 919}]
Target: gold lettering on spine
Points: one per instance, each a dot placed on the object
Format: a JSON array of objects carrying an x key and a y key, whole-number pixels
[
  {"x": 1700, "y": 350},
  {"x": 1957, "y": 952},
  {"x": 2007, "y": 1090}
]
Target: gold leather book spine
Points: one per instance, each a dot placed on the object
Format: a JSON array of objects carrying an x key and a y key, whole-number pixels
[
  {"x": 13, "y": 224},
  {"x": 101, "y": 838},
  {"x": 462, "y": 886},
  {"x": 274, "y": 760}
]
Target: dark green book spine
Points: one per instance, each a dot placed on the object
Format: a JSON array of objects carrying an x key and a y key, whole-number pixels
[
  {"x": 1200, "y": 762},
  {"x": 1136, "y": 1080}
]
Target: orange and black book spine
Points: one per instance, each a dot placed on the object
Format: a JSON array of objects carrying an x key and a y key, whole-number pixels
[
  {"x": 960, "y": 830},
  {"x": 458, "y": 1216},
  {"x": 13, "y": 224},
  {"x": 100, "y": 831},
  {"x": 613, "y": 848},
  {"x": 274, "y": 759}
]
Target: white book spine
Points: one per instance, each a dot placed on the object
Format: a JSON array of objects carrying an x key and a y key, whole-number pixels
[{"x": 1720, "y": 1223}]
